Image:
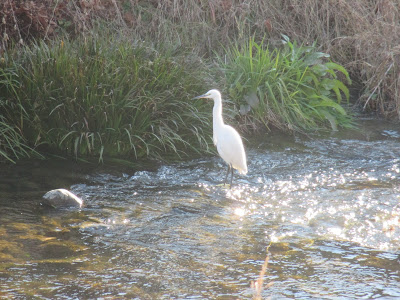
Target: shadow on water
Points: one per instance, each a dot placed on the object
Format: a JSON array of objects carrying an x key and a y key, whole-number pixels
[{"x": 326, "y": 208}]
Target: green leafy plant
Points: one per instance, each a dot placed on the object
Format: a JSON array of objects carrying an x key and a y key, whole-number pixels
[{"x": 295, "y": 88}]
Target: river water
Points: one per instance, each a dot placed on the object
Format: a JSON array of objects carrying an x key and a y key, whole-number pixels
[{"x": 325, "y": 209}]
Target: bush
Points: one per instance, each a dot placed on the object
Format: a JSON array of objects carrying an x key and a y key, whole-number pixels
[{"x": 293, "y": 88}]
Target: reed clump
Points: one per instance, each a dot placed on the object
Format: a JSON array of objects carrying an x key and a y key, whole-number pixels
[{"x": 104, "y": 96}]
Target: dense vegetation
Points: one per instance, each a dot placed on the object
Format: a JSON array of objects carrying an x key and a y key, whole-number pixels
[
  {"x": 289, "y": 88},
  {"x": 96, "y": 95},
  {"x": 115, "y": 78}
]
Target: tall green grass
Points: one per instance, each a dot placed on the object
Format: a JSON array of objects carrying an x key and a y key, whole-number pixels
[
  {"x": 13, "y": 144},
  {"x": 108, "y": 96},
  {"x": 293, "y": 88}
]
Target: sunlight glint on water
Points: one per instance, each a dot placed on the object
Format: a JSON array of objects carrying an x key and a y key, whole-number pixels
[{"x": 327, "y": 210}]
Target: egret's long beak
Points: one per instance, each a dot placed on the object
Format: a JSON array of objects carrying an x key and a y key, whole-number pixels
[{"x": 201, "y": 96}]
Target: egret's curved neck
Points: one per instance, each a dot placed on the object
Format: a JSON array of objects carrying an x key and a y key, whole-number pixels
[{"x": 217, "y": 113}]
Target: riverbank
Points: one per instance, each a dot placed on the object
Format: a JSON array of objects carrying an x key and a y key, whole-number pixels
[{"x": 115, "y": 78}]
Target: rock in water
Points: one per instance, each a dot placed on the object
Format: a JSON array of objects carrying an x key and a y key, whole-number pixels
[{"x": 62, "y": 198}]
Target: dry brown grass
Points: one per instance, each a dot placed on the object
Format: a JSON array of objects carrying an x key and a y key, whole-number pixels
[{"x": 362, "y": 35}]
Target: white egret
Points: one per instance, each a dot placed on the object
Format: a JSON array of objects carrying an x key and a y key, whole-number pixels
[{"x": 227, "y": 140}]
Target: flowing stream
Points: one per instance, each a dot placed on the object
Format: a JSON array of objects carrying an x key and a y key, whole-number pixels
[{"x": 326, "y": 210}]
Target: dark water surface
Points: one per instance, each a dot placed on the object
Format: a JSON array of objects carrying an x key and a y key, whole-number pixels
[{"x": 327, "y": 209}]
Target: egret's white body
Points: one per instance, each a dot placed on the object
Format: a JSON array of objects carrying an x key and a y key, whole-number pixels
[{"x": 227, "y": 140}]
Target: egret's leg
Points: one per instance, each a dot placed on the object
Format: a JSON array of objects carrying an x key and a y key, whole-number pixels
[
  {"x": 227, "y": 173},
  {"x": 231, "y": 177}
]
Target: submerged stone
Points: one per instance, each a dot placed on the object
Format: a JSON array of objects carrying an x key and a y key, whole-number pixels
[{"x": 62, "y": 198}]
